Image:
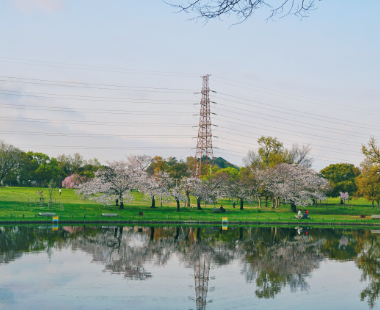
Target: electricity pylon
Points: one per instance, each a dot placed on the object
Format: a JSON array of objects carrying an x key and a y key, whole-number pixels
[{"x": 204, "y": 141}]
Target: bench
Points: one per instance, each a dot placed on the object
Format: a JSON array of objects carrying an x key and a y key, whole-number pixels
[
  {"x": 110, "y": 214},
  {"x": 217, "y": 210},
  {"x": 46, "y": 214},
  {"x": 375, "y": 216}
]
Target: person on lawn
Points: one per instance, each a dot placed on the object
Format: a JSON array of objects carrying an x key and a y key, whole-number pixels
[
  {"x": 299, "y": 216},
  {"x": 306, "y": 215}
]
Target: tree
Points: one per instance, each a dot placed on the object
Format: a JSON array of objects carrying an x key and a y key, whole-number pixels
[
  {"x": 157, "y": 164},
  {"x": 177, "y": 193},
  {"x": 297, "y": 184},
  {"x": 178, "y": 170},
  {"x": 243, "y": 9},
  {"x": 73, "y": 181},
  {"x": 51, "y": 190},
  {"x": 372, "y": 151},
  {"x": 236, "y": 185},
  {"x": 368, "y": 182},
  {"x": 299, "y": 155},
  {"x": 9, "y": 159},
  {"x": 341, "y": 178},
  {"x": 271, "y": 152},
  {"x": 343, "y": 197},
  {"x": 197, "y": 188},
  {"x": 215, "y": 187},
  {"x": 114, "y": 182},
  {"x": 154, "y": 186}
]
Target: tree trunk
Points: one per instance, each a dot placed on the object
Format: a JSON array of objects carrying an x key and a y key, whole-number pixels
[
  {"x": 259, "y": 198},
  {"x": 241, "y": 203},
  {"x": 176, "y": 233},
  {"x": 121, "y": 202},
  {"x": 178, "y": 206},
  {"x": 117, "y": 201},
  {"x": 341, "y": 201},
  {"x": 272, "y": 201},
  {"x": 151, "y": 233},
  {"x": 199, "y": 203},
  {"x": 293, "y": 207},
  {"x": 188, "y": 199},
  {"x": 153, "y": 202},
  {"x": 266, "y": 202},
  {"x": 199, "y": 239},
  {"x": 372, "y": 204}
]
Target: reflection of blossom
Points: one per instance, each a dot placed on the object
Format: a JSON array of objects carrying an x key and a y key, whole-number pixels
[{"x": 343, "y": 241}]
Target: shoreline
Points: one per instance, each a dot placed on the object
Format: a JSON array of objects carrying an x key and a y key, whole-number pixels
[{"x": 230, "y": 223}]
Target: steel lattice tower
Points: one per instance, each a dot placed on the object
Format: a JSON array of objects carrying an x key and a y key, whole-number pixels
[
  {"x": 201, "y": 277},
  {"x": 204, "y": 141}
]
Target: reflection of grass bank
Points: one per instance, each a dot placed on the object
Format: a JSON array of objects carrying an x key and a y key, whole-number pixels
[{"x": 14, "y": 201}]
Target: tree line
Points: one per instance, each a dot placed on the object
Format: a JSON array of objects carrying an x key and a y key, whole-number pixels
[
  {"x": 272, "y": 173},
  {"x": 20, "y": 168}
]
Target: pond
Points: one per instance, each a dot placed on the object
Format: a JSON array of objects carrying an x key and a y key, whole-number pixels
[{"x": 136, "y": 267}]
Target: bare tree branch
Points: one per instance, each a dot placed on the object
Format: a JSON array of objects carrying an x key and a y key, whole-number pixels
[{"x": 242, "y": 9}]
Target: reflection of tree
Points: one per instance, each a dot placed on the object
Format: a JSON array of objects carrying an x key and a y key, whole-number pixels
[
  {"x": 120, "y": 253},
  {"x": 275, "y": 265},
  {"x": 273, "y": 258},
  {"x": 369, "y": 262}
]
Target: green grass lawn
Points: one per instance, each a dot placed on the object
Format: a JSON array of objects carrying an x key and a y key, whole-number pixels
[{"x": 14, "y": 201}]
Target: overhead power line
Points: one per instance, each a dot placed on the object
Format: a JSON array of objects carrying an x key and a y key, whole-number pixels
[
  {"x": 92, "y": 68},
  {"x": 90, "y": 85},
  {"x": 83, "y": 122},
  {"x": 78, "y": 135},
  {"x": 326, "y": 103},
  {"x": 90, "y": 98},
  {"x": 102, "y": 111},
  {"x": 321, "y": 117}
]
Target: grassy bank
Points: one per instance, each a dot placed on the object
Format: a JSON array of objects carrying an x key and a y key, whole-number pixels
[{"x": 17, "y": 203}]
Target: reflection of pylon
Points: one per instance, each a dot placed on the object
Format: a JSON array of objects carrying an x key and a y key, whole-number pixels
[
  {"x": 201, "y": 276},
  {"x": 204, "y": 141}
]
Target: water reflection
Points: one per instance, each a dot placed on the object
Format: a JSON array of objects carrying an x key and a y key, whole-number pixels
[{"x": 272, "y": 258}]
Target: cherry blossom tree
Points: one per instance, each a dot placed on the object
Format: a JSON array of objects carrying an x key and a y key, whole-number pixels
[
  {"x": 197, "y": 188},
  {"x": 297, "y": 184},
  {"x": 155, "y": 186},
  {"x": 343, "y": 197},
  {"x": 140, "y": 162},
  {"x": 114, "y": 182},
  {"x": 73, "y": 181},
  {"x": 177, "y": 193},
  {"x": 215, "y": 188}
]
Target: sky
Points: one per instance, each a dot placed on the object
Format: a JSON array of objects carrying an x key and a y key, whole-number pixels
[{"x": 112, "y": 78}]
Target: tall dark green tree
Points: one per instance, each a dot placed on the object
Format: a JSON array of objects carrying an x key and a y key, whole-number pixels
[{"x": 341, "y": 177}]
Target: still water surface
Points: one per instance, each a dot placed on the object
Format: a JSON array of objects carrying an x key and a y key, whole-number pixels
[{"x": 83, "y": 267}]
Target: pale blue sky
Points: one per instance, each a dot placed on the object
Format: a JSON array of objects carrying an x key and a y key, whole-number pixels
[{"x": 290, "y": 78}]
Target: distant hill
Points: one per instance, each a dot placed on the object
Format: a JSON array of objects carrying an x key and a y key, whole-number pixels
[{"x": 222, "y": 163}]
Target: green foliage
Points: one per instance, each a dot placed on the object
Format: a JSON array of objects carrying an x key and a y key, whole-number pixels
[
  {"x": 372, "y": 151},
  {"x": 341, "y": 178},
  {"x": 230, "y": 171},
  {"x": 178, "y": 170}
]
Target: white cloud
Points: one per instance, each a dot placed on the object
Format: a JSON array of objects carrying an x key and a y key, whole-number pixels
[{"x": 44, "y": 5}]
